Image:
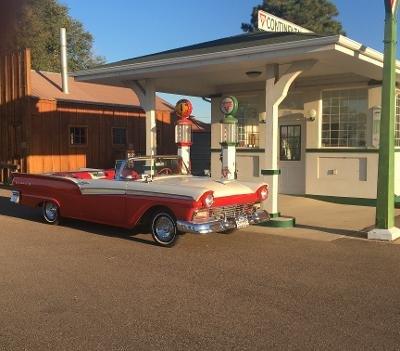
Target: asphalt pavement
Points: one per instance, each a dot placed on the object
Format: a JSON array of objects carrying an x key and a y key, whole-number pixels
[{"x": 83, "y": 286}]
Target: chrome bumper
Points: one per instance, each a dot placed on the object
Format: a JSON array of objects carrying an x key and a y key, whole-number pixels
[{"x": 219, "y": 225}]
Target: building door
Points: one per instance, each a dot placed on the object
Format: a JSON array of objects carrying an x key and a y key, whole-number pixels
[{"x": 292, "y": 154}]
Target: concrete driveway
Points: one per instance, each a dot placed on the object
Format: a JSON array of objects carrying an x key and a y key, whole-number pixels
[
  {"x": 325, "y": 220},
  {"x": 82, "y": 286}
]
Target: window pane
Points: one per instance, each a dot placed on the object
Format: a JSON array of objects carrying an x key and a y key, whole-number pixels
[
  {"x": 119, "y": 136},
  {"x": 397, "y": 121},
  {"x": 290, "y": 143},
  {"x": 247, "y": 115},
  {"x": 78, "y": 135},
  {"x": 345, "y": 117}
]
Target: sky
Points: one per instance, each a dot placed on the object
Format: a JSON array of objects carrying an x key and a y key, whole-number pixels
[{"x": 129, "y": 28}]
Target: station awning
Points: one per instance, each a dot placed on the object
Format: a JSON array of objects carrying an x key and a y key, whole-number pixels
[{"x": 206, "y": 69}]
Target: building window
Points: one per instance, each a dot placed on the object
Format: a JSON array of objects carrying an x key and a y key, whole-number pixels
[
  {"x": 247, "y": 115},
  {"x": 119, "y": 136},
  {"x": 397, "y": 122},
  {"x": 344, "y": 118},
  {"x": 290, "y": 143},
  {"x": 78, "y": 135}
]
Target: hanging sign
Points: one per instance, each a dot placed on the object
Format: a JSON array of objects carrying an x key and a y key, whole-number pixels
[{"x": 271, "y": 23}]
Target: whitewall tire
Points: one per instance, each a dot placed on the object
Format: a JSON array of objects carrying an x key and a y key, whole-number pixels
[
  {"x": 51, "y": 213},
  {"x": 163, "y": 229}
]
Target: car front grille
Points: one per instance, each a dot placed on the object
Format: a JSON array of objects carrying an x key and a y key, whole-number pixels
[{"x": 233, "y": 211}]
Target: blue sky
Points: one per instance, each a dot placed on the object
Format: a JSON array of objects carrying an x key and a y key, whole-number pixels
[{"x": 129, "y": 28}]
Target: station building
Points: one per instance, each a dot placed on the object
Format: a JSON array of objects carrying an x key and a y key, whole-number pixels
[{"x": 309, "y": 107}]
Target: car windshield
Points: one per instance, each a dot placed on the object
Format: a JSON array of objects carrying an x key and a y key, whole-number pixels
[{"x": 157, "y": 166}]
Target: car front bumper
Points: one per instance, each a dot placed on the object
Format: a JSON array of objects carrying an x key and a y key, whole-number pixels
[{"x": 221, "y": 225}]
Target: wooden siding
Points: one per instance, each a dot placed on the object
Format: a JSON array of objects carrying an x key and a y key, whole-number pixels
[
  {"x": 34, "y": 132},
  {"x": 14, "y": 104},
  {"x": 50, "y": 148}
]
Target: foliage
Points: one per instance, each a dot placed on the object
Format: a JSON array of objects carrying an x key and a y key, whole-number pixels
[
  {"x": 315, "y": 15},
  {"x": 38, "y": 24}
]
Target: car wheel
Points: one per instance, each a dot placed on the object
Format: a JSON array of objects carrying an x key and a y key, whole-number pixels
[
  {"x": 163, "y": 229},
  {"x": 51, "y": 213}
]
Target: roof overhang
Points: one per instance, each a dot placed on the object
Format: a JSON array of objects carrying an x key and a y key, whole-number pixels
[{"x": 206, "y": 74}]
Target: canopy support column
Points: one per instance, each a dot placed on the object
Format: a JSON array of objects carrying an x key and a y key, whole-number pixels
[
  {"x": 147, "y": 97},
  {"x": 276, "y": 89}
]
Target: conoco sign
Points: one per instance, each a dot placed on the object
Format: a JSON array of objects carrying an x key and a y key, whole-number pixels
[{"x": 229, "y": 105}]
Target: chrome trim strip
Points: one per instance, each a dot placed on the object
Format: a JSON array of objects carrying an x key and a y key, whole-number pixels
[
  {"x": 102, "y": 191},
  {"x": 218, "y": 225},
  {"x": 157, "y": 194},
  {"x": 116, "y": 191}
]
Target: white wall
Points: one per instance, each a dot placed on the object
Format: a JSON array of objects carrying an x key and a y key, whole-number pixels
[{"x": 342, "y": 174}]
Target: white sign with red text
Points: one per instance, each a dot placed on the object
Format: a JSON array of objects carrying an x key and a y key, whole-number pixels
[{"x": 271, "y": 23}]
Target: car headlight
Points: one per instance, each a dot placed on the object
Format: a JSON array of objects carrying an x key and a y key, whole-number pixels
[{"x": 208, "y": 200}]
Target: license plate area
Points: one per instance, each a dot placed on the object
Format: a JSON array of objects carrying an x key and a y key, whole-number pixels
[
  {"x": 15, "y": 197},
  {"x": 242, "y": 222}
]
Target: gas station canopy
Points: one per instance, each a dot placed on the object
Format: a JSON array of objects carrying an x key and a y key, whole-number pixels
[{"x": 206, "y": 69}]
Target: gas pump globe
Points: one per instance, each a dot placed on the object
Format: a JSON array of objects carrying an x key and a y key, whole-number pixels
[
  {"x": 183, "y": 131},
  {"x": 229, "y": 106}
]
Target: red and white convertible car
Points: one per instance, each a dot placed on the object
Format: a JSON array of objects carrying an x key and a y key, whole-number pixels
[{"x": 157, "y": 191}]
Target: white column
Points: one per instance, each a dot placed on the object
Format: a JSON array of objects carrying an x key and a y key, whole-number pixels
[
  {"x": 271, "y": 155},
  {"x": 146, "y": 93},
  {"x": 150, "y": 109},
  {"x": 276, "y": 89}
]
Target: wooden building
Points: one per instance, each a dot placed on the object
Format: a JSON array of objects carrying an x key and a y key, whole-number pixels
[
  {"x": 44, "y": 130},
  {"x": 200, "y": 153}
]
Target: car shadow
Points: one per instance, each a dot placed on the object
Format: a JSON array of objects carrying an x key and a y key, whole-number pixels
[{"x": 34, "y": 215}]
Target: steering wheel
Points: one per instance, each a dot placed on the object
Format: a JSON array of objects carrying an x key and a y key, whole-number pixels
[{"x": 165, "y": 170}]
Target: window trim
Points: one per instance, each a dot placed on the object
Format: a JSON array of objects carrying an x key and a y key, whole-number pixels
[
  {"x": 112, "y": 136},
  {"x": 396, "y": 107},
  {"x": 78, "y": 126}
]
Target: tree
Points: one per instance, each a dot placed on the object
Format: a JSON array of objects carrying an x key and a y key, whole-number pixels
[
  {"x": 315, "y": 15},
  {"x": 37, "y": 26}
]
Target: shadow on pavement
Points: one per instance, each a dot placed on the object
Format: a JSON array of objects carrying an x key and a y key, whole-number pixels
[
  {"x": 338, "y": 231},
  {"x": 34, "y": 215}
]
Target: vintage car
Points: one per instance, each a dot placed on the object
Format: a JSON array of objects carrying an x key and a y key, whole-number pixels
[{"x": 156, "y": 191}]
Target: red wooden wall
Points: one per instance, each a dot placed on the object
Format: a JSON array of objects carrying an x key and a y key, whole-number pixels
[
  {"x": 50, "y": 148},
  {"x": 34, "y": 132}
]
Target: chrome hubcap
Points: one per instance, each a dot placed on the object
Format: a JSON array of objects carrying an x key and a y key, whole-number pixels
[
  {"x": 164, "y": 229},
  {"x": 51, "y": 211}
]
